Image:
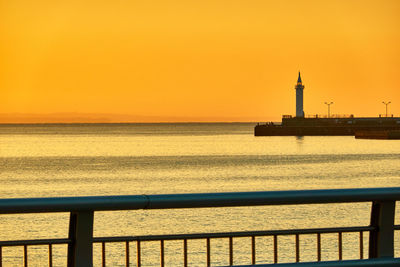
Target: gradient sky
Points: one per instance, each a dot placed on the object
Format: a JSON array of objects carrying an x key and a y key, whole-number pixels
[{"x": 209, "y": 60}]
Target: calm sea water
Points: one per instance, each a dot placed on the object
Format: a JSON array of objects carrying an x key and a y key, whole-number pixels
[{"x": 123, "y": 159}]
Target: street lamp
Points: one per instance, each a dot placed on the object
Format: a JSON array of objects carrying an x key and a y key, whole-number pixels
[
  {"x": 329, "y": 108},
  {"x": 386, "y": 104}
]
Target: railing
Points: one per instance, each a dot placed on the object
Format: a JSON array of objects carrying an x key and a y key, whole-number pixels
[
  {"x": 385, "y": 115},
  {"x": 316, "y": 116},
  {"x": 80, "y": 240},
  {"x": 332, "y": 116}
]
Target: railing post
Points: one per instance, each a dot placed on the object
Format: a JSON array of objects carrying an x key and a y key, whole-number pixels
[
  {"x": 80, "y": 250},
  {"x": 381, "y": 240}
]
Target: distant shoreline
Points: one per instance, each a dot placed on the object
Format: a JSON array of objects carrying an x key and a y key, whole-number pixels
[{"x": 119, "y": 123}]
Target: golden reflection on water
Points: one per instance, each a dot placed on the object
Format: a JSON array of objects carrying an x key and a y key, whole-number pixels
[{"x": 44, "y": 165}]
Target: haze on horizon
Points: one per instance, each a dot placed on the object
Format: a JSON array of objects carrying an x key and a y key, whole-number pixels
[{"x": 211, "y": 60}]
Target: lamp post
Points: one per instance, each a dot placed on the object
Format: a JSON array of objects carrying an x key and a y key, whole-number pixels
[
  {"x": 329, "y": 108},
  {"x": 386, "y": 104}
]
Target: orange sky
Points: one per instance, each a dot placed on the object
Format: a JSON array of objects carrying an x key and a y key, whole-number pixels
[{"x": 209, "y": 60}]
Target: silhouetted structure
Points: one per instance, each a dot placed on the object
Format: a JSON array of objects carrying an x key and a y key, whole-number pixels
[
  {"x": 299, "y": 98},
  {"x": 301, "y": 125}
]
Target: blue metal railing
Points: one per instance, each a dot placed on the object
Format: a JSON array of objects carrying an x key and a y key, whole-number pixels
[{"x": 80, "y": 239}]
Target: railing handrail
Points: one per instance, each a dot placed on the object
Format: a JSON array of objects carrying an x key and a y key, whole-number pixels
[
  {"x": 80, "y": 236},
  {"x": 199, "y": 200}
]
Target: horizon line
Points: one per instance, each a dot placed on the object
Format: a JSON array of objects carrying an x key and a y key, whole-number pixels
[{"x": 161, "y": 122}]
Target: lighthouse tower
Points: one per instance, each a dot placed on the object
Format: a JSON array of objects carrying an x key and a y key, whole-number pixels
[{"x": 299, "y": 98}]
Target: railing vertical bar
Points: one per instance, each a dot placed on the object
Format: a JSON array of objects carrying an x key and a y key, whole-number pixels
[
  {"x": 162, "y": 260},
  {"x": 1, "y": 256},
  {"x": 185, "y": 258},
  {"x": 127, "y": 253},
  {"x": 103, "y": 254},
  {"x": 340, "y": 237},
  {"x": 80, "y": 249},
  {"x": 297, "y": 248},
  {"x": 230, "y": 251},
  {"x": 361, "y": 245},
  {"x": 253, "y": 250},
  {"x": 275, "y": 249},
  {"x": 50, "y": 255},
  {"x": 25, "y": 256},
  {"x": 208, "y": 252},
  {"x": 381, "y": 239},
  {"x": 139, "y": 262},
  {"x": 318, "y": 246}
]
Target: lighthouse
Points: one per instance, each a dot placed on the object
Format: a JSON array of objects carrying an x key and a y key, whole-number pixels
[{"x": 299, "y": 98}]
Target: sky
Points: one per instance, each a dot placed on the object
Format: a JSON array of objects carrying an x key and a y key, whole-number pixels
[{"x": 209, "y": 60}]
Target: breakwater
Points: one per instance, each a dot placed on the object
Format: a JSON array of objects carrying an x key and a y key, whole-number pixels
[{"x": 326, "y": 126}]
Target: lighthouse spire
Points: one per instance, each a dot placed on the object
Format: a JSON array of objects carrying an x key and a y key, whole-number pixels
[{"x": 299, "y": 98}]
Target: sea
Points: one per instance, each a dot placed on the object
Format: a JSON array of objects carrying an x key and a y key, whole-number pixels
[{"x": 56, "y": 160}]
